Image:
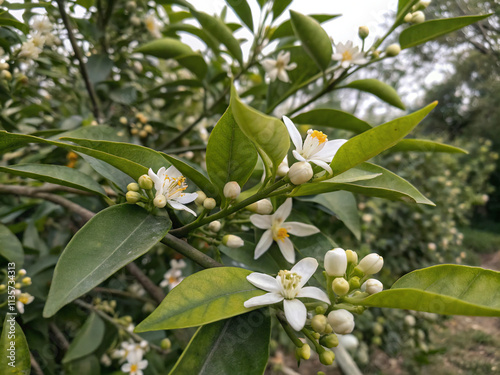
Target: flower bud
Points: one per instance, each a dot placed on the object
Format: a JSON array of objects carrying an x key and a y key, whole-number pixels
[
  {"x": 17, "y": 285},
  {"x": 320, "y": 309},
  {"x": 214, "y": 226},
  {"x": 123, "y": 120},
  {"x": 133, "y": 187},
  {"x": 2, "y": 287},
  {"x": 134, "y": 197},
  {"x": 283, "y": 168},
  {"x": 372, "y": 286},
  {"x": 330, "y": 341},
  {"x": 148, "y": 128},
  {"x": 166, "y": 343},
  {"x": 340, "y": 286},
  {"x": 232, "y": 241},
  {"x": 209, "y": 203},
  {"x": 21, "y": 272},
  {"x": 300, "y": 172},
  {"x": 363, "y": 32},
  {"x": 6, "y": 75},
  {"x": 410, "y": 320},
  {"x": 26, "y": 280},
  {"x": 231, "y": 190},
  {"x": 4, "y": 66},
  {"x": 371, "y": 264},
  {"x": 145, "y": 182},
  {"x": 352, "y": 257},
  {"x": 408, "y": 17},
  {"x": 143, "y": 133},
  {"x": 335, "y": 262},
  {"x": 160, "y": 201},
  {"x": 318, "y": 323},
  {"x": 354, "y": 283},
  {"x": 378, "y": 329},
  {"x": 418, "y": 17},
  {"x": 131, "y": 5},
  {"x": 328, "y": 329},
  {"x": 200, "y": 198},
  {"x": 327, "y": 357},
  {"x": 349, "y": 341},
  {"x": 262, "y": 207},
  {"x": 393, "y": 50},
  {"x": 342, "y": 321},
  {"x": 303, "y": 352}
]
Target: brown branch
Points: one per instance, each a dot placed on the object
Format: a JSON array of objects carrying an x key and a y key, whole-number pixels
[
  {"x": 60, "y": 340},
  {"x": 190, "y": 252},
  {"x": 154, "y": 291},
  {"x": 81, "y": 64},
  {"x": 121, "y": 293},
  {"x": 35, "y": 367}
]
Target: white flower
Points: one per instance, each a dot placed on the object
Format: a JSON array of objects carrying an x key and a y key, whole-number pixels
[
  {"x": 232, "y": 241},
  {"x": 283, "y": 168},
  {"x": 22, "y": 299},
  {"x": 336, "y": 262},
  {"x": 173, "y": 276},
  {"x": 287, "y": 287},
  {"x": 129, "y": 348},
  {"x": 300, "y": 173},
  {"x": 231, "y": 190},
  {"x": 134, "y": 365},
  {"x": 277, "y": 230},
  {"x": 42, "y": 25},
  {"x": 347, "y": 54},
  {"x": 316, "y": 149},
  {"x": 153, "y": 25},
  {"x": 277, "y": 68},
  {"x": 38, "y": 40},
  {"x": 372, "y": 286},
  {"x": 371, "y": 264},
  {"x": 263, "y": 207},
  {"x": 29, "y": 50},
  {"x": 349, "y": 341},
  {"x": 171, "y": 184},
  {"x": 342, "y": 321}
]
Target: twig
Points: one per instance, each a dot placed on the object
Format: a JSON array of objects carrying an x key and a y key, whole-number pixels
[
  {"x": 187, "y": 250},
  {"x": 346, "y": 362},
  {"x": 35, "y": 367},
  {"x": 61, "y": 341},
  {"x": 153, "y": 290},
  {"x": 121, "y": 293},
  {"x": 81, "y": 64}
]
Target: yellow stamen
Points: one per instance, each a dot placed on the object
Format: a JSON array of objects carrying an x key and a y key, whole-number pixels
[
  {"x": 24, "y": 300},
  {"x": 290, "y": 281},
  {"x": 346, "y": 56},
  {"x": 320, "y": 136},
  {"x": 134, "y": 368},
  {"x": 281, "y": 235},
  {"x": 172, "y": 279}
]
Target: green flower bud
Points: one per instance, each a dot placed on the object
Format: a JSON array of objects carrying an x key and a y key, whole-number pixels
[
  {"x": 352, "y": 257},
  {"x": 363, "y": 32},
  {"x": 200, "y": 198},
  {"x": 328, "y": 329},
  {"x": 215, "y": 226},
  {"x": 134, "y": 197},
  {"x": 145, "y": 182},
  {"x": 408, "y": 17},
  {"x": 17, "y": 285},
  {"x": 330, "y": 341},
  {"x": 327, "y": 357},
  {"x": 2, "y": 287},
  {"x": 340, "y": 286},
  {"x": 209, "y": 203},
  {"x": 304, "y": 352},
  {"x": 320, "y": 309},
  {"x": 393, "y": 50},
  {"x": 133, "y": 187},
  {"x": 21, "y": 272},
  {"x": 165, "y": 344},
  {"x": 318, "y": 323},
  {"x": 378, "y": 329},
  {"x": 354, "y": 283},
  {"x": 160, "y": 201},
  {"x": 6, "y": 75},
  {"x": 376, "y": 340},
  {"x": 26, "y": 281}
]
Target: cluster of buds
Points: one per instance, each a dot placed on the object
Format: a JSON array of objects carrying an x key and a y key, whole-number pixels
[
  {"x": 141, "y": 127},
  {"x": 21, "y": 299},
  {"x": 417, "y": 15},
  {"x": 135, "y": 190}
]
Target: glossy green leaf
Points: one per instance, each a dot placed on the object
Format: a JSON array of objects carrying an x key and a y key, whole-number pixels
[
  {"x": 315, "y": 40},
  {"x": 217, "y": 347},
  {"x": 285, "y": 29},
  {"x": 230, "y": 154},
  {"x": 380, "y": 89},
  {"x": 429, "y": 30},
  {"x": 332, "y": 118},
  {"x": 424, "y": 145},
  {"x": 387, "y": 185},
  {"x": 279, "y": 7},
  {"x": 109, "y": 241},
  {"x": 56, "y": 174},
  {"x": 314, "y": 246},
  {"x": 242, "y": 9},
  {"x": 8, "y": 20},
  {"x": 403, "y": 4},
  {"x": 10, "y": 246},
  {"x": 99, "y": 67},
  {"x": 87, "y": 340},
  {"x": 15, "y": 358},
  {"x": 268, "y": 134},
  {"x": 204, "y": 297},
  {"x": 170, "y": 48},
  {"x": 117, "y": 177},
  {"x": 372, "y": 142},
  {"x": 206, "y": 38},
  {"x": 221, "y": 32},
  {"x": 446, "y": 289},
  {"x": 344, "y": 206}
]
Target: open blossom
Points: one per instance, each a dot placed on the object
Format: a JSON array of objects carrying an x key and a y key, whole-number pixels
[
  {"x": 153, "y": 25},
  {"x": 171, "y": 184},
  {"x": 135, "y": 364},
  {"x": 277, "y": 230},
  {"x": 42, "y": 25},
  {"x": 22, "y": 299},
  {"x": 277, "y": 68},
  {"x": 173, "y": 276},
  {"x": 29, "y": 50},
  {"x": 347, "y": 54},
  {"x": 287, "y": 287},
  {"x": 316, "y": 148},
  {"x": 128, "y": 348}
]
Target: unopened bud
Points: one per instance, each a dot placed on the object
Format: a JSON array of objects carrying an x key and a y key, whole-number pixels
[
  {"x": 231, "y": 190},
  {"x": 410, "y": 320},
  {"x": 352, "y": 257},
  {"x": 327, "y": 357},
  {"x": 303, "y": 352},
  {"x": 300, "y": 172},
  {"x": 133, "y": 187},
  {"x": 418, "y": 17},
  {"x": 408, "y": 17},
  {"x": 232, "y": 241},
  {"x": 336, "y": 262},
  {"x": 283, "y": 168},
  {"x": 131, "y": 5},
  {"x": 330, "y": 341},
  {"x": 166, "y": 344},
  {"x": 320, "y": 309},
  {"x": 262, "y": 207},
  {"x": 340, "y": 286},
  {"x": 6, "y": 75},
  {"x": 123, "y": 120},
  {"x": 145, "y": 182},
  {"x": 214, "y": 226},
  {"x": 372, "y": 286},
  {"x": 209, "y": 203},
  {"x": 422, "y": 4},
  {"x": 328, "y": 329},
  {"x": 21, "y": 272},
  {"x": 26, "y": 281},
  {"x": 160, "y": 201},
  {"x": 200, "y": 198},
  {"x": 135, "y": 21},
  {"x": 393, "y": 50},
  {"x": 134, "y": 197},
  {"x": 4, "y": 66},
  {"x": 143, "y": 133},
  {"x": 378, "y": 329},
  {"x": 354, "y": 283},
  {"x": 342, "y": 321},
  {"x": 2, "y": 287},
  {"x": 371, "y": 264},
  {"x": 363, "y": 32},
  {"x": 318, "y": 323},
  {"x": 17, "y": 285},
  {"x": 148, "y": 128}
]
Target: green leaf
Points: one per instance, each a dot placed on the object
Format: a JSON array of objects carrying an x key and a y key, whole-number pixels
[
  {"x": 279, "y": 7},
  {"x": 429, "y": 30},
  {"x": 10, "y": 247},
  {"x": 15, "y": 358},
  {"x": 332, "y": 118},
  {"x": 424, "y": 145},
  {"x": 446, "y": 289},
  {"x": 285, "y": 29},
  {"x": 380, "y": 89},
  {"x": 239, "y": 345},
  {"x": 315, "y": 40},
  {"x": 56, "y": 174},
  {"x": 372, "y": 142},
  {"x": 110, "y": 240},
  {"x": 221, "y": 32},
  {"x": 8, "y": 20},
  {"x": 387, "y": 185},
  {"x": 343, "y": 205},
  {"x": 85, "y": 365},
  {"x": 230, "y": 154},
  {"x": 99, "y": 67},
  {"x": 125, "y": 95},
  {"x": 204, "y": 297},
  {"x": 170, "y": 48},
  {"x": 242, "y": 9},
  {"x": 87, "y": 340},
  {"x": 402, "y": 4},
  {"x": 268, "y": 134}
]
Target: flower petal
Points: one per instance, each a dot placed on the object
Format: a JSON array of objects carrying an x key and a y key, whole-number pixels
[
  {"x": 313, "y": 292},
  {"x": 286, "y": 248},
  {"x": 294, "y": 133},
  {"x": 268, "y": 64},
  {"x": 264, "y": 282},
  {"x": 264, "y": 243},
  {"x": 179, "y": 206},
  {"x": 295, "y": 312},
  {"x": 322, "y": 164},
  {"x": 261, "y": 221},
  {"x": 291, "y": 66},
  {"x": 283, "y": 211},
  {"x": 283, "y": 76},
  {"x": 266, "y": 299},
  {"x": 305, "y": 268},
  {"x": 187, "y": 198},
  {"x": 298, "y": 156},
  {"x": 329, "y": 150},
  {"x": 300, "y": 229},
  {"x": 173, "y": 172}
]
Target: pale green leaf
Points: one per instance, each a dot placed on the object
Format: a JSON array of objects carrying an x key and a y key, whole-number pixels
[
  {"x": 424, "y": 145},
  {"x": 15, "y": 358},
  {"x": 380, "y": 89},
  {"x": 285, "y": 29},
  {"x": 332, "y": 118}
]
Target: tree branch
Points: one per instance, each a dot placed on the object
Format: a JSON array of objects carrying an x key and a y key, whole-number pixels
[
  {"x": 190, "y": 252},
  {"x": 154, "y": 291},
  {"x": 60, "y": 340},
  {"x": 35, "y": 367}
]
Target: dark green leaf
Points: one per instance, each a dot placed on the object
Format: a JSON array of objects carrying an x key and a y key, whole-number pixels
[
  {"x": 332, "y": 118},
  {"x": 8, "y": 20},
  {"x": 99, "y": 67},
  {"x": 245, "y": 255},
  {"x": 285, "y": 29},
  {"x": 379, "y": 89},
  {"x": 87, "y": 340},
  {"x": 279, "y": 7},
  {"x": 10, "y": 247},
  {"x": 243, "y": 11}
]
